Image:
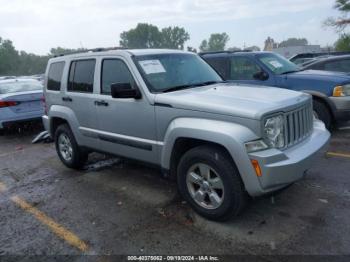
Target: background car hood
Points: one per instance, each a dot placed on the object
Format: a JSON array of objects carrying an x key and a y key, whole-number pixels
[
  {"x": 334, "y": 77},
  {"x": 246, "y": 101}
]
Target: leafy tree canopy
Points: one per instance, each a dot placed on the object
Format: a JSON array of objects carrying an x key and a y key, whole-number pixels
[
  {"x": 216, "y": 42},
  {"x": 149, "y": 36},
  {"x": 343, "y": 43},
  {"x": 293, "y": 42},
  {"x": 341, "y": 22}
]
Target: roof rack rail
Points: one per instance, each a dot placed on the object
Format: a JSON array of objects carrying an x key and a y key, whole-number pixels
[
  {"x": 98, "y": 49},
  {"x": 223, "y": 51}
]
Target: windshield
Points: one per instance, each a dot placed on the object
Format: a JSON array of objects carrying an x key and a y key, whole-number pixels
[
  {"x": 21, "y": 86},
  {"x": 278, "y": 64},
  {"x": 164, "y": 72}
]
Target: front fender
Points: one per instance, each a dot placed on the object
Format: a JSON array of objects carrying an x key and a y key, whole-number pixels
[
  {"x": 229, "y": 135},
  {"x": 322, "y": 97}
]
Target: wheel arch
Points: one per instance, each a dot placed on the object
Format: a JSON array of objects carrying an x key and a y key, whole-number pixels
[
  {"x": 186, "y": 133},
  {"x": 323, "y": 98}
]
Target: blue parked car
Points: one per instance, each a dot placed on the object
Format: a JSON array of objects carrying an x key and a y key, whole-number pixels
[
  {"x": 20, "y": 101},
  {"x": 330, "y": 90}
]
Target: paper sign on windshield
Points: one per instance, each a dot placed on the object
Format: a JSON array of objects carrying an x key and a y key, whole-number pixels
[
  {"x": 275, "y": 64},
  {"x": 152, "y": 66}
]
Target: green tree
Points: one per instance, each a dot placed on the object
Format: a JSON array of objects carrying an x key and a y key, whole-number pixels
[
  {"x": 9, "y": 58},
  {"x": 31, "y": 64},
  {"x": 143, "y": 36},
  {"x": 252, "y": 48},
  {"x": 343, "y": 43},
  {"x": 216, "y": 42},
  {"x": 61, "y": 51},
  {"x": 293, "y": 42},
  {"x": 174, "y": 37},
  {"x": 341, "y": 22}
]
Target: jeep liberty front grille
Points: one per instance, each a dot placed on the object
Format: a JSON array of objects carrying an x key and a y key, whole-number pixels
[{"x": 298, "y": 124}]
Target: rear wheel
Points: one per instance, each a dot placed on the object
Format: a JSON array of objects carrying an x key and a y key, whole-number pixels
[
  {"x": 210, "y": 182},
  {"x": 67, "y": 148},
  {"x": 322, "y": 113}
]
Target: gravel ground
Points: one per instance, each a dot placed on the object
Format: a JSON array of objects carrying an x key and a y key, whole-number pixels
[{"x": 119, "y": 207}]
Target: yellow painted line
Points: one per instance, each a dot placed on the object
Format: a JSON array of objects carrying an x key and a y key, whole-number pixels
[
  {"x": 338, "y": 154},
  {"x": 3, "y": 187},
  {"x": 56, "y": 228}
]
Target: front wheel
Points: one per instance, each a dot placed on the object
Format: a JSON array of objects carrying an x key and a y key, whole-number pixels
[
  {"x": 210, "y": 182},
  {"x": 67, "y": 148},
  {"x": 322, "y": 113}
]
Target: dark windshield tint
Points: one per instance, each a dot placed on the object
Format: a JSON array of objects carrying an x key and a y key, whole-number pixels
[
  {"x": 165, "y": 71},
  {"x": 277, "y": 64},
  {"x": 20, "y": 86}
]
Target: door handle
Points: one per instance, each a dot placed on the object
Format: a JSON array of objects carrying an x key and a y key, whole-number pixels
[
  {"x": 101, "y": 103},
  {"x": 67, "y": 99}
]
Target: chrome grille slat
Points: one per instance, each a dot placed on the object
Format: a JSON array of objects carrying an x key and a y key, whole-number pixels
[{"x": 299, "y": 124}]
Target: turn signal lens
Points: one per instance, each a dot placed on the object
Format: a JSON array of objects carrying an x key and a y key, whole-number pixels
[
  {"x": 338, "y": 91},
  {"x": 257, "y": 168}
]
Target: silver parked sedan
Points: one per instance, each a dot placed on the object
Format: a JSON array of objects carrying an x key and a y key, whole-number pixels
[{"x": 20, "y": 101}]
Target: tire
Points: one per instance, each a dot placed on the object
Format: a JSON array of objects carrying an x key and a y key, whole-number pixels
[
  {"x": 2, "y": 132},
  {"x": 233, "y": 196},
  {"x": 322, "y": 112},
  {"x": 70, "y": 154}
]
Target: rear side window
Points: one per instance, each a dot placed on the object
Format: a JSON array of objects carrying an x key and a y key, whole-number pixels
[
  {"x": 220, "y": 64},
  {"x": 55, "y": 76},
  {"x": 339, "y": 66},
  {"x": 81, "y": 76},
  {"x": 114, "y": 71}
]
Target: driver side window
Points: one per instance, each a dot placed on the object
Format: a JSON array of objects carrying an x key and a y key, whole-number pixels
[
  {"x": 243, "y": 68},
  {"x": 114, "y": 71}
]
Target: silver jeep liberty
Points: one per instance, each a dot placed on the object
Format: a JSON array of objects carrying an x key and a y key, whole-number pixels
[{"x": 222, "y": 142}]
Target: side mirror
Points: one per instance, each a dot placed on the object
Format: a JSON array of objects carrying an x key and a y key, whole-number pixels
[
  {"x": 261, "y": 76},
  {"x": 124, "y": 90}
]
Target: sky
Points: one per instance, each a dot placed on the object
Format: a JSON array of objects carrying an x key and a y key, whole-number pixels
[{"x": 36, "y": 26}]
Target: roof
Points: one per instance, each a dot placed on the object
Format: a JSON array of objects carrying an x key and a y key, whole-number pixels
[
  {"x": 115, "y": 51},
  {"x": 230, "y": 53}
]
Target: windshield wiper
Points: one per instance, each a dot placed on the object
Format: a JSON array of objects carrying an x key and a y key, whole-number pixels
[{"x": 181, "y": 87}]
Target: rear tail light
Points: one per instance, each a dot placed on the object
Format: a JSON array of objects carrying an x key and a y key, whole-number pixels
[
  {"x": 43, "y": 100},
  {"x": 8, "y": 103}
]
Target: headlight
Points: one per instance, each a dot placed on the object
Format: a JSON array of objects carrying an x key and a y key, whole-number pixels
[
  {"x": 341, "y": 90},
  {"x": 257, "y": 145},
  {"x": 274, "y": 131}
]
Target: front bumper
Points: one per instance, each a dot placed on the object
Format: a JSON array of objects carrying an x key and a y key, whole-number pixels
[
  {"x": 342, "y": 107},
  {"x": 281, "y": 168}
]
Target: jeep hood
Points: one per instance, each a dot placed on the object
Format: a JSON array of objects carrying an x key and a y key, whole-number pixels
[{"x": 247, "y": 101}]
